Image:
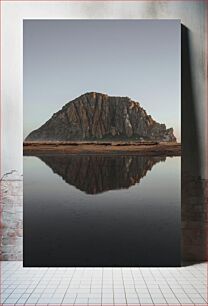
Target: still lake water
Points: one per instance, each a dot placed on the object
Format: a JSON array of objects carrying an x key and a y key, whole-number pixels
[{"x": 102, "y": 211}]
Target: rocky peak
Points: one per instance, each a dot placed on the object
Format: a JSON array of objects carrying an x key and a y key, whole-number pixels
[{"x": 94, "y": 116}]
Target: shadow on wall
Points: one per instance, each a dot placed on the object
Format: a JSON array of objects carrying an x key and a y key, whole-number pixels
[{"x": 194, "y": 199}]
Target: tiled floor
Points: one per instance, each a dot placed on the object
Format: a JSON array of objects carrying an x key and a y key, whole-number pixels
[{"x": 110, "y": 286}]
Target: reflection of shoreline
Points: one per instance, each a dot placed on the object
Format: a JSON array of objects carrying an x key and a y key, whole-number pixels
[
  {"x": 95, "y": 173},
  {"x": 119, "y": 148}
]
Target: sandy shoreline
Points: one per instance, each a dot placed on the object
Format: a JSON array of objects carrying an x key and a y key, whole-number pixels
[{"x": 106, "y": 148}]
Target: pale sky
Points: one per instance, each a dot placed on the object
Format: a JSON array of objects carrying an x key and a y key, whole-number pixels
[{"x": 136, "y": 58}]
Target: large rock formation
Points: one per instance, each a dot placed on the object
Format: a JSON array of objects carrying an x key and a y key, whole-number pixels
[
  {"x": 95, "y": 174},
  {"x": 96, "y": 116}
]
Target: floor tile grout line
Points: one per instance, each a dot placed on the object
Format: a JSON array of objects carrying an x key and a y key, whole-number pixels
[
  {"x": 135, "y": 287},
  {"x": 36, "y": 286},
  {"x": 69, "y": 285},
  {"x": 119, "y": 278},
  {"x": 158, "y": 270},
  {"x": 183, "y": 288},
  {"x": 146, "y": 286},
  {"x": 170, "y": 289},
  {"x": 123, "y": 285}
]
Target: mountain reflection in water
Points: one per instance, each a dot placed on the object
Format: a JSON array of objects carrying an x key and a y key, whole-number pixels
[{"x": 96, "y": 174}]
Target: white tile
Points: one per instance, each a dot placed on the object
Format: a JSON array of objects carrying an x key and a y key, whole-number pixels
[
  {"x": 94, "y": 301},
  {"x": 119, "y": 290},
  {"x": 146, "y": 301},
  {"x": 119, "y": 301},
  {"x": 82, "y": 295},
  {"x": 172, "y": 300},
  {"x": 84, "y": 290},
  {"x": 95, "y": 295},
  {"x": 158, "y": 299},
  {"x": 44, "y": 300},
  {"x": 107, "y": 300},
  {"x": 70, "y": 295},
  {"x": 133, "y": 295},
  {"x": 34, "y": 295},
  {"x": 107, "y": 295},
  {"x": 132, "y": 300},
  {"x": 72, "y": 290},
  {"x": 32, "y": 300},
  {"x": 108, "y": 289},
  {"x": 10, "y": 301},
  {"x": 31, "y": 285},
  {"x": 15, "y": 296},
  {"x": 45, "y": 295},
  {"x": 144, "y": 295},
  {"x": 81, "y": 301},
  {"x": 143, "y": 290},
  {"x": 54, "y": 300},
  {"x": 184, "y": 300},
  {"x": 196, "y": 298},
  {"x": 119, "y": 295},
  {"x": 69, "y": 300},
  {"x": 60, "y": 291}
]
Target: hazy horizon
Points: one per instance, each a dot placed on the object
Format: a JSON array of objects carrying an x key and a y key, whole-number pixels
[{"x": 64, "y": 59}]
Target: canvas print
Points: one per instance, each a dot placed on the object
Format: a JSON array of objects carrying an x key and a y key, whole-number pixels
[{"x": 102, "y": 143}]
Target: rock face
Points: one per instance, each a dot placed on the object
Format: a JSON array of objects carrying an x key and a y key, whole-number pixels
[
  {"x": 96, "y": 116},
  {"x": 95, "y": 174}
]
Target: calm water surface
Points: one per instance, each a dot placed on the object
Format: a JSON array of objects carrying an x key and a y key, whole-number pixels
[{"x": 101, "y": 211}]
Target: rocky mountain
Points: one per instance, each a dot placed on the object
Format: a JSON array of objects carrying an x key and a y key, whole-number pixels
[
  {"x": 97, "y": 116},
  {"x": 95, "y": 174}
]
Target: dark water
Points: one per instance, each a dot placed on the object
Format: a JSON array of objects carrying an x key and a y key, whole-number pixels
[{"x": 101, "y": 211}]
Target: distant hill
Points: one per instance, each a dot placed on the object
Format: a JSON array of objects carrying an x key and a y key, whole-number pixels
[{"x": 97, "y": 116}]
